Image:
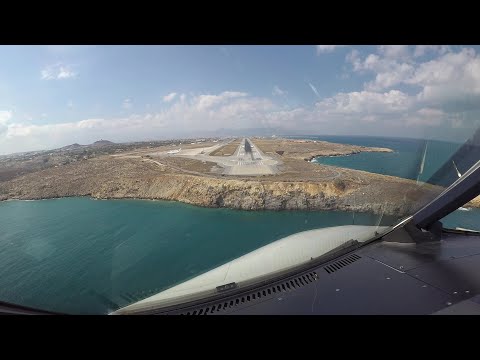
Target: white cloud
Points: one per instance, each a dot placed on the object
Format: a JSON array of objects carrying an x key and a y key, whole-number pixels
[
  {"x": 327, "y": 48},
  {"x": 459, "y": 120},
  {"x": 421, "y": 50},
  {"x": 70, "y": 104},
  {"x": 366, "y": 112},
  {"x": 169, "y": 97},
  {"x": 47, "y": 74},
  {"x": 58, "y": 71},
  {"x": 452, "y": 77},
  {"x": 196, "y": 113},
  {"x": 357, "y": 112},
  {"x": 366, "y": 102},
  {"x": 429, "y": 112},
  {"x": 279, "y": 92},
  {"x": 204, "y": 102},
  {"x": 426, "y": 116},
  {"x": 5, "y": 115},
  {"x": 395, "y": 51},
  {"x": 314, "y": 89},
  {"x": 388, "y": 70},
  {"x": 394, "y": 73},
  {"x": 292, "y": 119},
  {"x": 404, "y": 91},
  {"x": 65, "y": 73},
  {"x": 451, "y": 80},
  {"x": 127, "y": 104},
  {"x": 353, "y": 57}
]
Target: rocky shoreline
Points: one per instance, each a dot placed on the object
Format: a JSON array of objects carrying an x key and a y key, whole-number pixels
[
  {"x": 312, "y": 156},
  {"x": 120, "y": 180},
  {"x": 302, "y": 185},
  {"x": 231, "y": 194}
]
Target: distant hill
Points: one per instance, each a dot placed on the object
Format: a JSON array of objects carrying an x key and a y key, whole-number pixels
[
  {"x": 71, "y": 147},
  {"x": 102, "y": 143},
  {"x": 76, "y": 146}
]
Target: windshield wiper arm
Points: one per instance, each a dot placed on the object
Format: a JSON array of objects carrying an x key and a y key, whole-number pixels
[
  {"x": 464, "y": 189},
  {"x": 13, "y": 309}
]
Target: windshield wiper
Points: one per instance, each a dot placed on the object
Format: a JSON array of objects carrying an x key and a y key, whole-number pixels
[{"x": 13, "y": 309}]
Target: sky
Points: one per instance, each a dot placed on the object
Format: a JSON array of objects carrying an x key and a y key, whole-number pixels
[{"x": 52, "y": 96}]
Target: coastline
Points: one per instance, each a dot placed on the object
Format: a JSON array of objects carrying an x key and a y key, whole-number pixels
[
  {"x": 300, "y": 185},
  {"x": 231, "y": 193},
  {"x": 311, "y": 157},
  {"x": 349, "y": 154},
  {"x": 341, "y": 207},
  {"x": 474, "y": 203}
]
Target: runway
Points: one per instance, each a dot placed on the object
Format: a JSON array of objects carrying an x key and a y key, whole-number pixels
[{"x": 247, "y": 160}]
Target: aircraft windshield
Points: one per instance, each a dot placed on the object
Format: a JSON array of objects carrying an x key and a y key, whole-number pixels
[{"x": 132, "y": 172}]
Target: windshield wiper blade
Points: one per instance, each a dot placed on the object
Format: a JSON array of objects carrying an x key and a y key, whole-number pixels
[
  {"x": 14, "y": 309},
  {"x": 459, "y": 193}
]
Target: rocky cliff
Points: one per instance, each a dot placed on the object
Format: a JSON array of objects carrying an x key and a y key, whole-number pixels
[{"x": 132, "y": 178}]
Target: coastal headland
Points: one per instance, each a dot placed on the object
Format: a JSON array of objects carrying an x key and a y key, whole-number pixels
[{"x": 241, "y": 173}]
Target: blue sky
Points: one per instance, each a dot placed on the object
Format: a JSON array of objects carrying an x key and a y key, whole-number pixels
[{"x": 55, "y": 95}]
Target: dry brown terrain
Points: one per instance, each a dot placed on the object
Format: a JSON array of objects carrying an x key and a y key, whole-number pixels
[
  {"x": 177, "y": 145},
  {"x": 300, "y": 185},
  {"x": 293, "y": 166},
  {"x": 308, "y": 149},
  {"x": 475, "y": 202},
  {"x": 227, "y": 150},
  {"x": 144, "y": 178}
]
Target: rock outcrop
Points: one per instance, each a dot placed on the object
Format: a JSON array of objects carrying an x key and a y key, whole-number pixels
[{"x": 132, "y": 178}]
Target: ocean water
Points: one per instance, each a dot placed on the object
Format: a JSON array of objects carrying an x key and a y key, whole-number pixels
[
  {"x": 85, "y": 256},
  {"x": 467, "y": 219},
  {"x": 404, "y": 162}
]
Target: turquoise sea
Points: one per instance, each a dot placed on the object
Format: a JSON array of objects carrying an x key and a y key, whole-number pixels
[
  {"x": 405, "y": 162},
  {"x": 85, "y": 256}
]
